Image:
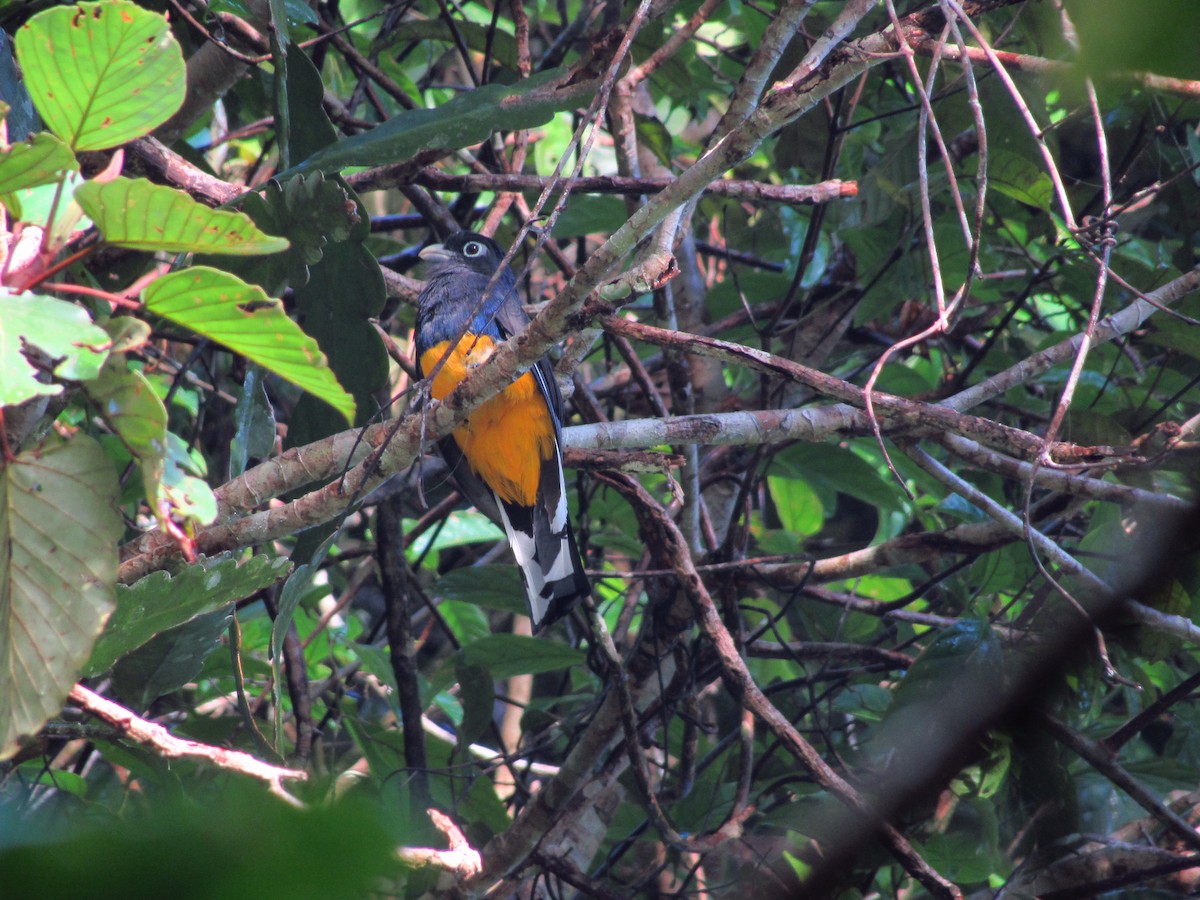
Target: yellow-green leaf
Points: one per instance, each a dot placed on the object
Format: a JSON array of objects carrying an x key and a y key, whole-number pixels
[
  {"x": 101, "y": 74},
  {"x": 243, "y": 318},
  {"x": 136, "y": 213},
  {"x": 39, "y": 160}
]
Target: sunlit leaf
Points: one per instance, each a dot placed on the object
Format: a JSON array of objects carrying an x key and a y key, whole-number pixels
[
  {"x": 243, "y": 318},
  {"x": 133, "y": 212},
  {"x": 102, "y": 73},
  {"x": 40, "y": 160},
  {"x": 62, "y": 332}
]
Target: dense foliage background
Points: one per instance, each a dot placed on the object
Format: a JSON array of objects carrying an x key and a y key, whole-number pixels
[{"x": 879, "y": 327}]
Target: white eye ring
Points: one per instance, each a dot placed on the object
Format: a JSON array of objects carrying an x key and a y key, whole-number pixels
[{"x": 472, "y": 249}]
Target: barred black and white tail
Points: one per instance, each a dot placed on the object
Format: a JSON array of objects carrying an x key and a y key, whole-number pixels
[{"x": 544, "y": 546}]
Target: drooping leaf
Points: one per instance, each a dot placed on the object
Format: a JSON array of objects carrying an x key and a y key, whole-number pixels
[
  {"x": 58, "y": 567},
  {"x": 311, "y": 212},
  {"x": 506, "y": 655},
  {"x": 467, "y": 119},
  {"x": 478, "y": 697},
  {"x": 254, "y": 434},
  {"x": 161, "y": 601},
  {"x": 101, "y": 74},
  {"x": 169, "y": 660},
  {"x": 61, "y": 331},
  {"x": 39, "y": 160},
  {"x": 344, "y": 291},
  {"x": 309, "y": 128},
  {"x": 129, "y": 405},
  {"x": 243, "y": 318},
  {"x": 133, "y": 212}
]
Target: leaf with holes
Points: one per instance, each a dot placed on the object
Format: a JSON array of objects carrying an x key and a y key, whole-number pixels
[
  {"x": 75, "y": 348},
  {"x": 101, "y": 74},
  {"x": 160, "y": 601},
  {"x": 59, "y": 527},
  {"x": 243, "y": 318},
  {"x": 135, "y": 213}
]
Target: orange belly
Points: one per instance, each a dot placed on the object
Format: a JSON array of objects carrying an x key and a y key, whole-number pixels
[{"x": 507, "y": 438}]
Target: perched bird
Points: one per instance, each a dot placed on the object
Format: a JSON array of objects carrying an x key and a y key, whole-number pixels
[{"x": 507, "y": 456}]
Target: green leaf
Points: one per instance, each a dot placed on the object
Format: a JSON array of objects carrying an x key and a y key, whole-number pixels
[
  {"x": 101, "y": 74},
  {"x": 337, "y": 303},
  {"x": 129, "y": 405},
  {"x": 494, "y": 587},
  {"x": 40, "y": 160},
  {"x": 798, "y": 506},
  {"x": 478, "y": 696},
  {"x": 254, "y": 435},
  {"x": 58, "y": 567},
  {"x": 132, "y": 212},
  {"x": 183, "y": 484},
  {"x": 462, "y": 528},
  {"x": 169, "y": 660},
  {"x": 591, "y": 215},
  {"x": 467, "y": 119},
  {"x": 506, "y": 655},
  {"x": 466, "y": 621},
  {"x": 161, "y": 601},
  {"x": 654, "y": 136},
  {"x": 61, "y": 331},
  {"x": 1015, "y": 176},
  {"x": 244, "y": 319}
]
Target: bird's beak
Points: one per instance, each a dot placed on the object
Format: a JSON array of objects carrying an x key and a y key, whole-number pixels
[{"x": 434, "y": 252}]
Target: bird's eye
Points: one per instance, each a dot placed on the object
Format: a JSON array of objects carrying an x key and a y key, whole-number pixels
[{"x": 472, "y": 249}]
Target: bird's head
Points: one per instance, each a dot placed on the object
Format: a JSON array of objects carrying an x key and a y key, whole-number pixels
[{"x": 465, "y": 249}]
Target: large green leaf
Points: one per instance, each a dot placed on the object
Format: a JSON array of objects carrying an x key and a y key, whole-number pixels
[
  {"x": 101, "y": 74},
  {"x": 506, "y": 655},
  {"x": 161, "y": 601},
  {"x": 311, "y": 212},
  {"x": 58, "y": 567},
  {"x": 62, "y": 331},
  {"x": 39, "y": 160},
  {"x": 169, "y": 660},
  {"x": 136, "y": 213},
  {"x": 243, "y": 318},
  {"x": 467, "y": 119}
]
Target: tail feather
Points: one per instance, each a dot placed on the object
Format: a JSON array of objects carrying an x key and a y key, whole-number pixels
[{"x": 551, "y": 569}]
